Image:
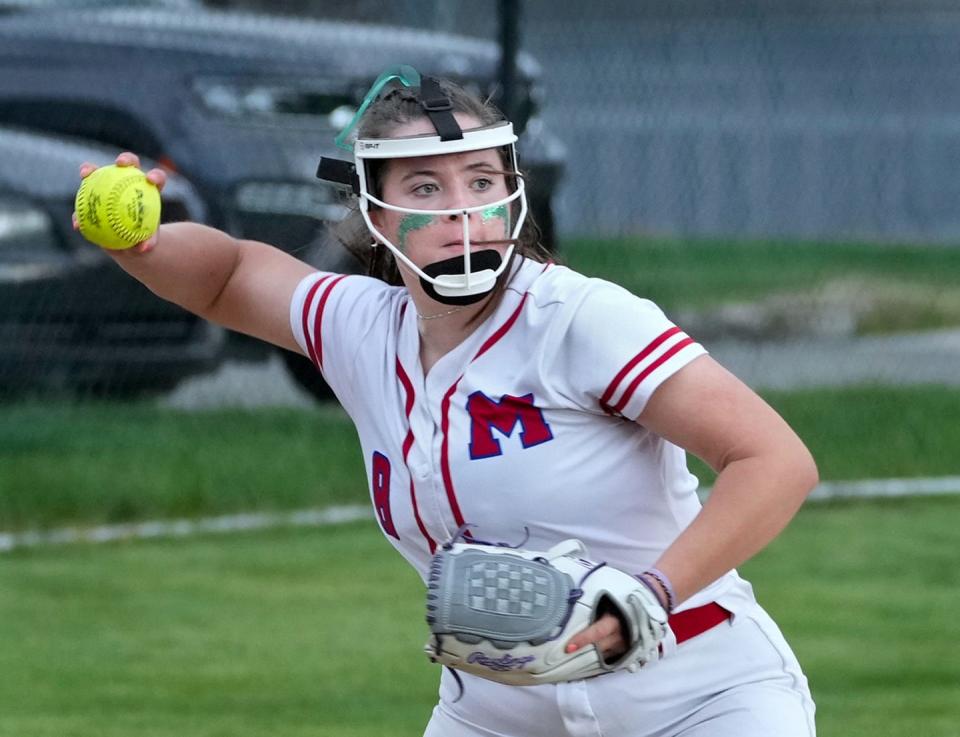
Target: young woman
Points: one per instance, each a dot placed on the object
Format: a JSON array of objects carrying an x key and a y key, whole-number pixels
[{"x": 493, "y": 388}]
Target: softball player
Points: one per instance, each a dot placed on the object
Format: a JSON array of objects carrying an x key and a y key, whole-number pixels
[{"x": 493, "y": 388}]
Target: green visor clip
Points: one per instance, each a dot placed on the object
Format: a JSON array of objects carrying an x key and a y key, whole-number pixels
[
  {"x": 403, "y": 73},
  {"x": 342, "y": 172}
]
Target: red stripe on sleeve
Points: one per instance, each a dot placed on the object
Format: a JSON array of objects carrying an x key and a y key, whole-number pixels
[
  {"x": 625, "y": 399},
  {"x": 305, "y": 317},
  {"x": 318, "y": 320},
  {"x": 651, "y": 347}
]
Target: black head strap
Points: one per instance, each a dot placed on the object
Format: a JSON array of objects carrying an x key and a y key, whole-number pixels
[
  {"x": 339, "y": 172},
  {"x": 438, "y": 107}
]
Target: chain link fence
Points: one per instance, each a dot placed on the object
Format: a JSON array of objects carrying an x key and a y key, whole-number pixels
[
  {"x": 707, "y": 118},
  {"x": 780, "y": 176},
  {"x": 824, "y": 121},
  {"x": 694, "y": 119}
]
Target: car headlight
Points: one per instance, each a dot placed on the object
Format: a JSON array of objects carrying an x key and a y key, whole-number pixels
[
  {"x": 28, "y": 241},
  {"x": 277, "y": 101}
]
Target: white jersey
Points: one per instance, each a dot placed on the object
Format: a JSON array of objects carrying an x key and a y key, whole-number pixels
[{"x": 528, "y": 426}]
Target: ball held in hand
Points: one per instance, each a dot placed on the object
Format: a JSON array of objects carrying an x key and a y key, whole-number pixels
[{"x": 117, "y": 207}]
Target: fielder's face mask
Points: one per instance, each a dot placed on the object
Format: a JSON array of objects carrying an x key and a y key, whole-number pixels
[{"x": 466, "y": 278}]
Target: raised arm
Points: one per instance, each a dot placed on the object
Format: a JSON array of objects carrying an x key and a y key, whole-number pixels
[{"x": 243, "y": 285}]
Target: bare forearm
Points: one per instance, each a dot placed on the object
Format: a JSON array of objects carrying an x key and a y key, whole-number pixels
[
  {"x": 190, "y": 265},
  {"x": 752, "y": 501},
  {"x": 243, "y": 285}
]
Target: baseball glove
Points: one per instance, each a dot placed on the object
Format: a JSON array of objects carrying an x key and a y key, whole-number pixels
[{"x": 506, "y": 614}]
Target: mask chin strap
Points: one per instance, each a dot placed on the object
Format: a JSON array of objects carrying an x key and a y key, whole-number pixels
[{"x": 480, "y": 261}]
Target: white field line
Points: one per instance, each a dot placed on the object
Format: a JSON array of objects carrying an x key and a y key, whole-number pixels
[
  {"x": 870, "y": 488},
  {"x": 876, "y": 488},
  {"x": 185, "y": 527}
]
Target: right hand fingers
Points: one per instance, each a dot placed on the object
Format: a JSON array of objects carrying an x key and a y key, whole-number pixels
[
  {"x": 128, "y": 159},
  {"x": 157, "y": 176},
  {"x": 124, "y": 159},
  {"x": 148, "y": 245}
]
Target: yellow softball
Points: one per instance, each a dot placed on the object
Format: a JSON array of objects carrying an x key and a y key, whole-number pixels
[{"x": 117, "y": 207}]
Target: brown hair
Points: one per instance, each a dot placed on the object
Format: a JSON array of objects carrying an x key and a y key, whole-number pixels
[{"x": 398, "y": 107}]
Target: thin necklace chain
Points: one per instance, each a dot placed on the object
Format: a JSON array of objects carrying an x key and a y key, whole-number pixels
[{"x": 454, "y": 311}]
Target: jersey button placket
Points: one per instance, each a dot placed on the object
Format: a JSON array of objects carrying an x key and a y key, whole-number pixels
[
  {"x": 425, "y": 469},
  {"x": 421, "y": 473}
]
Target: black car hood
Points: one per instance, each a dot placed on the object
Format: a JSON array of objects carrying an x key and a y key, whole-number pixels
[{"x": 47, "y": 167}]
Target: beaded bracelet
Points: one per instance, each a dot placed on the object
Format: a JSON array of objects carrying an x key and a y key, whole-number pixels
[
  {"x": 655, "y": 590},
  {"x": 661, "y": 578}
]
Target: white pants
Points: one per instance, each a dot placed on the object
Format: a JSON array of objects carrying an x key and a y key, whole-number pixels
[{"x": 739, "y": 679}]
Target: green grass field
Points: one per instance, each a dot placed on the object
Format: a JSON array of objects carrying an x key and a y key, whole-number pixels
[
  {"x": 319, "y": 632},
  {"x": 910, "y": 287},
  {"x": 63, "y": 462},
  {"x": 108, "y": 463}
]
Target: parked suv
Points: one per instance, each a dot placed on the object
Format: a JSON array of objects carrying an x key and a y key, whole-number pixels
[
  {"x": 242, "y": 105},
  {"x": 69, "y": 317}
]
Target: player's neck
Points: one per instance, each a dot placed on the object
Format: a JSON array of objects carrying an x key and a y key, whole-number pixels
[{"x": 443, "y": 327}]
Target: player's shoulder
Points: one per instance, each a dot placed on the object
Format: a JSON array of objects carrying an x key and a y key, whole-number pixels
[
  {"x": 350, "y": 304},
  {"x": 351, "y": 288},
  {"x": 353, "y": 282},
  {"x": 575, "y": 292},
  {"x": 548, "y": 284}
]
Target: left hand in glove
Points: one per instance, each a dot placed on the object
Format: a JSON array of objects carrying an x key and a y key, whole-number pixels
[{"x": 508, "y": 614}]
